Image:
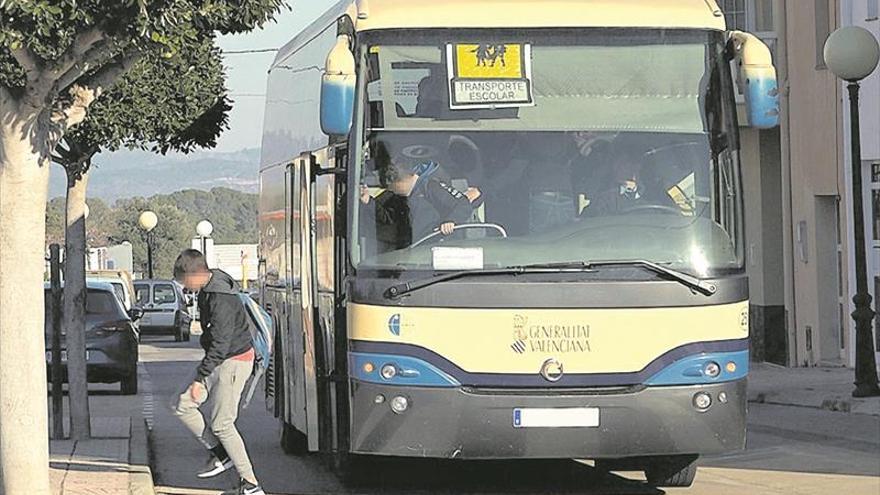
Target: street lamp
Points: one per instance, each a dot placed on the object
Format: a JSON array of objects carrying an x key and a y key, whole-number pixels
[
  {"x": 852, "y": 54},
  {"x": 148, "y": 221},
  {"x": 204, "y": 229}
]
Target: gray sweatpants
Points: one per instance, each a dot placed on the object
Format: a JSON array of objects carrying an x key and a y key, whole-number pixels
[{"x": 224, "y": 387}]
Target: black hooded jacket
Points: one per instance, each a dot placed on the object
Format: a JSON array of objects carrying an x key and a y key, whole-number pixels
[{"x": 225, "y": 331}]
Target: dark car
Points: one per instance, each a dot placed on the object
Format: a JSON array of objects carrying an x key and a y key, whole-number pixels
[{"x": 111, "y": 339}]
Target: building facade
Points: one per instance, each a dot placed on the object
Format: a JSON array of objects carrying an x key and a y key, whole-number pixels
[{"x": 797, "y": 180}]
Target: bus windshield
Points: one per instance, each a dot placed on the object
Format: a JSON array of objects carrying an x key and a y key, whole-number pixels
[{"x": 505, "y": 149}]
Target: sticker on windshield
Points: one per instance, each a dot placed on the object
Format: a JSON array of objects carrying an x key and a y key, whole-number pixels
[
  {"x": 489, "y": 75},
  {"x": 453, "y": 258}
]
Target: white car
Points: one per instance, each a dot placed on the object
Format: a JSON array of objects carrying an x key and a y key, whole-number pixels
[{"x": 165, "y": 308}]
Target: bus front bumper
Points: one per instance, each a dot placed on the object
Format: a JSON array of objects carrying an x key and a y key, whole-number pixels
[{"x": 467, "y": 424}]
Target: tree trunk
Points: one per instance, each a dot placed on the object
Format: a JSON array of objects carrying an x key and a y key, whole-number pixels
[
  {"x": 24, "y": 178},
  {"x": 74, "y": 322}
]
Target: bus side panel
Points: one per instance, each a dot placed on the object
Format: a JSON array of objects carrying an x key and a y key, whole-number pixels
[
  {"x": 291, "y": 129},
  {"x": 292, "y": 124}
]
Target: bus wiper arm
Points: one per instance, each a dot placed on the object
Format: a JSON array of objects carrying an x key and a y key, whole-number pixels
[
  {"x": 398, "y": 290},
  {"x": 707, "y": 288}
]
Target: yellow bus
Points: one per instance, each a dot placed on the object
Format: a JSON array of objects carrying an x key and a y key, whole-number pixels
[{"x": 498, "y": 229}]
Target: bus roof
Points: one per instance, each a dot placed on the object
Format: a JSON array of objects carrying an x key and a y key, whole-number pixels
[
  {"x": 425, "y": 14},
  {"x": 388, "y": 14}
]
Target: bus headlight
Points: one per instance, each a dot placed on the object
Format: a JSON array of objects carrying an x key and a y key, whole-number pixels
[
  {"x": 702, "y": 401},
  {"x": 712, "y": 369},
  {"x": 399, "y": 404},
  {"x": 388, "y": 371}
]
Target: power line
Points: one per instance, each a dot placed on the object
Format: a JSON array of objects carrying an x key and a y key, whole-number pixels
[{"x": 255, "y": 50}]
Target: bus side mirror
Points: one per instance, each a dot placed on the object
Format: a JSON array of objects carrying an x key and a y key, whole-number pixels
[
  {"x": 337, "y": 89},
  {"x": 756, "y": 78}
]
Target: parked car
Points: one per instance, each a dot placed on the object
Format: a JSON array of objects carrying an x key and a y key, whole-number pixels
[
  {"x": 121, "y": 281},
  {"x": 165, "y": 308},
  {"x": 111, "y": 338}
]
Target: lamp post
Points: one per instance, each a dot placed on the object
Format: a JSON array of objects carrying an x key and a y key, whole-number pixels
[
  {"x": 148, "y": 221},
  {"x": 204, "y": 229},
  {"x": 852, "y": 54}
]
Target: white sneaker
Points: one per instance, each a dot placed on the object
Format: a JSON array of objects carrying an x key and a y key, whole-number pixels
[
  {"x": 247, "y": 488},
  {"x": 214, "y": 467}
]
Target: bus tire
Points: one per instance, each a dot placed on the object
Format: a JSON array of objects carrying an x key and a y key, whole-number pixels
[
  {"x": 293, "y": 442},
  {"x": 672, "y": 471}
]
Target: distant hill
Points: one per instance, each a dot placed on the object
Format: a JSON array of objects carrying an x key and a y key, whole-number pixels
[{"x": 127, "y": 174}]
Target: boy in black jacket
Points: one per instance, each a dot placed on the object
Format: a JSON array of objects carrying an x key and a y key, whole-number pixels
[{"x": 222, "y": 373}]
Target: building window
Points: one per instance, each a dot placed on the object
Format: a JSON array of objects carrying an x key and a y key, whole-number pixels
[
  {"x": 873, "y": 10},
  {"x": 735, "y": 14}
]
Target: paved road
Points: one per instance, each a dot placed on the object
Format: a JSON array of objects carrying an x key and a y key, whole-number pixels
[{"x": 791, "y": 451}]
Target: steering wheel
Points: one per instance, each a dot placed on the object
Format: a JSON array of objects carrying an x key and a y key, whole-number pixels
[
  {"x": 657, "y": 208},
  {"x": 464, "y": 226}
]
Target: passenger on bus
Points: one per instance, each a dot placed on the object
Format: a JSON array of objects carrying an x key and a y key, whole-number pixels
[
  {"x": 431, "y": 204},
  {"x": 626, "y": 191}
]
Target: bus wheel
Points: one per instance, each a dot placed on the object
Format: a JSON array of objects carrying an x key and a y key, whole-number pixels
[
  {"x": 293, "y": 442},
  {"x": 672, "y": 471}
]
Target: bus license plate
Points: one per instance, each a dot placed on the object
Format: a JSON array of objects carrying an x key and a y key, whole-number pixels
[{"x": 570, "y": 417}]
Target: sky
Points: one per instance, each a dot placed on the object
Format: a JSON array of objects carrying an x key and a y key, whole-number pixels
[{"x": 246, "y": 74}]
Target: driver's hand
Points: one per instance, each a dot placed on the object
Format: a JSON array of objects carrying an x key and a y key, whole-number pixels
[{"x": 447, "y": 228}]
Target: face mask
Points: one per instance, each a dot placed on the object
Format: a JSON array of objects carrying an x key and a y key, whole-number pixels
[{"x": 630, "y": 189}]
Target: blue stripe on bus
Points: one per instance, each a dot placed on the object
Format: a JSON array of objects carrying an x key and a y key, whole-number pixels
[
  {"x": 572, "y": 380},
  {"x": 408, "y": 371},
  {"x": 691, "y": 370}
]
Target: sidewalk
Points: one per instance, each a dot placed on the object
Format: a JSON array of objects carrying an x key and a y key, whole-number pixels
[
  {"x": 113, "y": 461},
  {"x": 823, "y": 388}
]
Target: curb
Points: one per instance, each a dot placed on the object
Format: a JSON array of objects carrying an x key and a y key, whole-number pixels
[
  {"x": 833, "y": 404},
  {"x": 140, "y": 478}
]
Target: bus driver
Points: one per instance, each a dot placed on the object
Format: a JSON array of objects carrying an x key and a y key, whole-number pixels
[{"x": 431, "y": 203}]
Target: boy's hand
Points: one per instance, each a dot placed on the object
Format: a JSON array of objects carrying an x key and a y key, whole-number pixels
[
  {"x": 365, "y": 195},
  {"x": 195, "y": 390},
  {"x": 447, "y": 228},
  {"x": 473, "y": 194}
]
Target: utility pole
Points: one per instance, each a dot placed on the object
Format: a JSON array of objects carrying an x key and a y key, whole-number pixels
[{"x": 57, "y": 392}]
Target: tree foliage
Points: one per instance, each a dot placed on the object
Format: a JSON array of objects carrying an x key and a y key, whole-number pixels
[
  {"x": 162, "y": 104},
  {"x": 57, "y": 56},
  {"x": 233, "y": 213}
]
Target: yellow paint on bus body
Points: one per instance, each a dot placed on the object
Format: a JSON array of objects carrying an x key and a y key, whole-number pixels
[
  {"x": 520, "y": 340},
  {"x": 409, "y": 14}
]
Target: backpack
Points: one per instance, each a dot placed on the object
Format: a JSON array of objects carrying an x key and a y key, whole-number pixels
[{"x": 262, "y": 338}]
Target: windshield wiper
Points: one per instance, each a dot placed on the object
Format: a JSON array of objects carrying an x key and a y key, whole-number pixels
[
  {"x": 398, "y": 290},
  {"x": 707, "y": 288}
]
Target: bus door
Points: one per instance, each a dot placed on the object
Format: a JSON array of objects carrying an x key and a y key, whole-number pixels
[
  {"x": 290, "y": 344},
  {"x": 319, "y": 302}
]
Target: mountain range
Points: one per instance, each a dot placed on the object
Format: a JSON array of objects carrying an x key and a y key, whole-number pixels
[{"x": 125, "y": 174}]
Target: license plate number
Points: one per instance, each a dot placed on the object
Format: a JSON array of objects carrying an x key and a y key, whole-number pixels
[{"x": 568, "y": 417}]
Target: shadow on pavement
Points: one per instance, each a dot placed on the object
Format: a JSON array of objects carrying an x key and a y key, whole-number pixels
[{"x": 442, "y": 476}]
